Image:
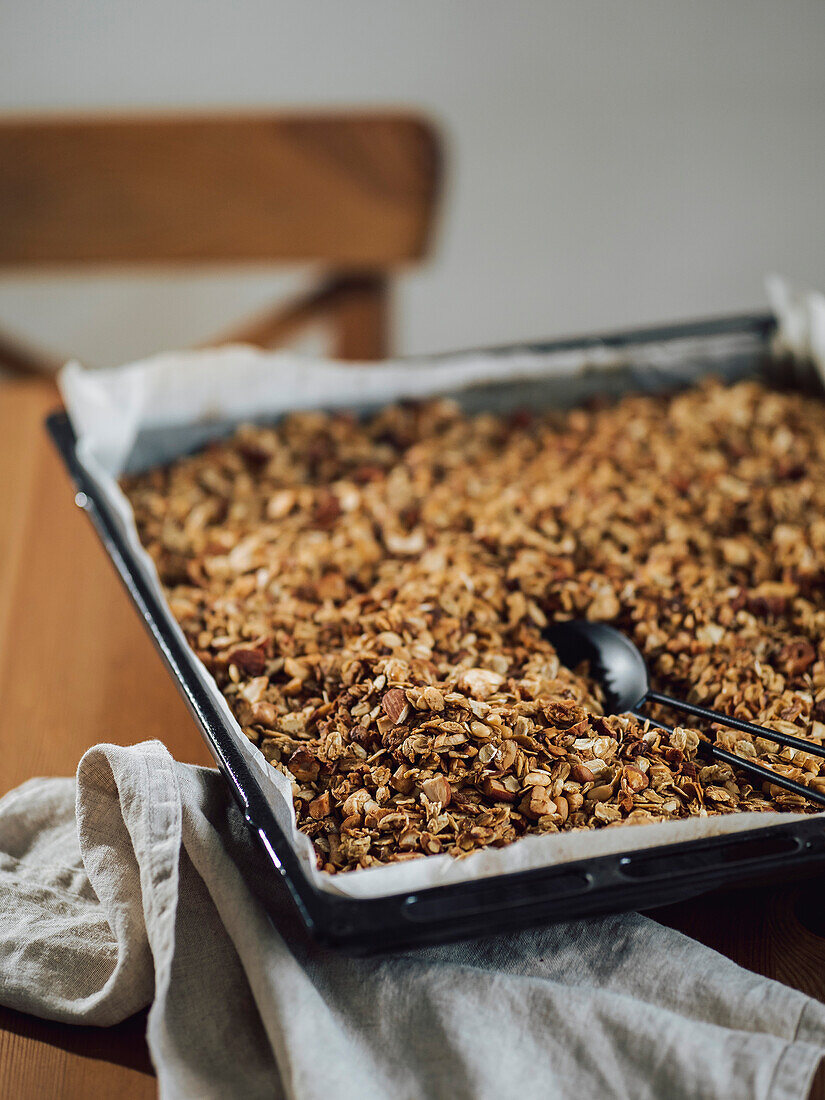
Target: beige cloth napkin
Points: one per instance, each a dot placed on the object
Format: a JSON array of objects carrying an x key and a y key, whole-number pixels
[{"x": 139, "y": 884}]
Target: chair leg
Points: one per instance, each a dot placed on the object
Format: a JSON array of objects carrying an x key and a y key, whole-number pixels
[
  {"x": 361, "y": 319},
  {"x": 353, "y": 307}
]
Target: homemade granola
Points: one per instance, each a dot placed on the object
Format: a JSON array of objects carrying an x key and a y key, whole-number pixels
[{"x": 370, "y": 597}]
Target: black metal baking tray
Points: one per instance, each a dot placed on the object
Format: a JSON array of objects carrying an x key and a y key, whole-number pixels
[{"x": 612, "y": 883}]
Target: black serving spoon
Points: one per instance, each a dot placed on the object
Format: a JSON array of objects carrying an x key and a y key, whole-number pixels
[{"x": 618, "y": 666}]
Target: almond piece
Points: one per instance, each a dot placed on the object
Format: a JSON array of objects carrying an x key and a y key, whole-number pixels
[
  {"x": 320, "y": 806},
  {"x": 394, "y": 705},
  {"x": 295, "y": 669},
  {"x": 409, "y": 838},
  {"x": 480, "y": 682},
  {"x": 303, "y": 766},
  {"x": 437, "y": 789},
  {"x": 494, "y": 788},
  {"x": 537, "y": 803},
  {"x": 249, "y": 660},
  {"x": 253, "y": 692},
  {"x": 280, "y": 504},
  {"x": 431, "y": 844},
  {"x": 634, "y": 779},
  {"x": 264, "y": 714},
  {"x": 581, "y": 773},
  {"x": 402, "y": 780},
  {"x": 537, "y": 779}
]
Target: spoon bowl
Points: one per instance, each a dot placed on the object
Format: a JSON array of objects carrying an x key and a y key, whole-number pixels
[{"x": 614, "y": 661}]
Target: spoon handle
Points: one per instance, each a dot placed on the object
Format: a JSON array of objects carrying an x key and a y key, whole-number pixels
[
  {"x": 759, "y": 771},
  {"x": 737, "y": 723},
  {"x": 767, "y": 775}
]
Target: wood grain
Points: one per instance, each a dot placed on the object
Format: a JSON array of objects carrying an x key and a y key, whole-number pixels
[
  {"x": 354, "y": 192},
  {"x": 76, "y": 667},
  {"x": 41, "y": 1060},
  {"x": 350, "y": 190}
]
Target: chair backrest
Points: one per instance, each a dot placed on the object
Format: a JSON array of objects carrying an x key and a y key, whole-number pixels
[
  {"x": 349, "y": 190},
  {"x": 355, "y": 192}
]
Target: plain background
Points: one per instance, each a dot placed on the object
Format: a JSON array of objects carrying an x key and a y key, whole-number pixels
[{"x": 610, "y": 164}]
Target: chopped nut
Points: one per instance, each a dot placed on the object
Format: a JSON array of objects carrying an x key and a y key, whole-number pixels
[
  {"x": 253, "y": 691},
  {"x": 395, "y": 705},
  {"x": 280, "y": 504},
  {"x": 250, "y": 661},
  {"x": 581, "y": 773},
  {"x": 437, "y": 789},
  {"x": 574, "y": 801},
  {"x": 354, "y": 805},
  {"x": 796, "y": 657},
  {"x": 480, "y": 682},
  {"x": 537, "y": 803},
  {"x": 497, "y": 788},
  {"x": 320, "y": 806},
  {"x": 295, "y": 669},
  {"x": 264, "y": 714},
  {"x": 537, "y": 779},
  {"x": 635, "y": 779},
  {"x": 303, "y": 765},
  {"x": 409, "y": 838}
]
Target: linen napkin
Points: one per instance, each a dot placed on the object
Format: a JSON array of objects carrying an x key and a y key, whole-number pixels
[{"x": 140, "y": 884}]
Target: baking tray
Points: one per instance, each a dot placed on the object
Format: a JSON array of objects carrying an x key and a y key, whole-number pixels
[{"x": 611, "y": 883}]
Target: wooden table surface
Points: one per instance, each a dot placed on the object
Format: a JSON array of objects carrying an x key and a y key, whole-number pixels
[{"x": 76, "y": 668}]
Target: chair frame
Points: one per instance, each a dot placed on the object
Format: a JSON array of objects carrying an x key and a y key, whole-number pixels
[{"x": 354, "y": 193}]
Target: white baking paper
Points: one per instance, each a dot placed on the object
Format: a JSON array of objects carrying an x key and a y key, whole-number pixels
[
  {"x": 800, "y": 322},
  {"x": 108, "y": 409}
]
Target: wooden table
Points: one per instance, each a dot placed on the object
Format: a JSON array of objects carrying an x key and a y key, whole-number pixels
[{"x": 76, "y": 668}]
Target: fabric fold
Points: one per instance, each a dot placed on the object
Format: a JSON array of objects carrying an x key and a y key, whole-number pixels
[{"x": 140, "y": 884}]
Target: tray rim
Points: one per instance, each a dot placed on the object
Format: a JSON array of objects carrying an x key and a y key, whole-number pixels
[{"x": 583, "y": 887}]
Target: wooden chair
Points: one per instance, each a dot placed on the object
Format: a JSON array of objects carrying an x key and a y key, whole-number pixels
[{"x": 354, "y": 193}]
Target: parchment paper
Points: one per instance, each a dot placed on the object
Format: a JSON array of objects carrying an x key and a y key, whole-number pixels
[{"x": 111, "y": 409}]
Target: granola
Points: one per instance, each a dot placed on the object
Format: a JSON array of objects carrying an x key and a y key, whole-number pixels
[{"x": 370, "y": 597}]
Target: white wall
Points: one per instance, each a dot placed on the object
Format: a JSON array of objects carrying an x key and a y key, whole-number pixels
[{"x": 610, "y": 163}]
